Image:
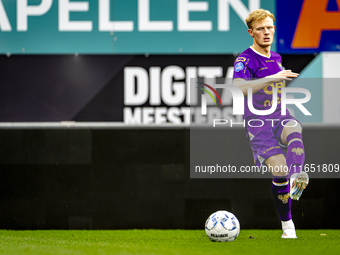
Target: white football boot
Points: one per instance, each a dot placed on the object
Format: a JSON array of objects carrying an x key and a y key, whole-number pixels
[
  {"x": 298, "y": 182},
  {"x": 288, "y": 229},
  {"x": 289, "y": 233}
]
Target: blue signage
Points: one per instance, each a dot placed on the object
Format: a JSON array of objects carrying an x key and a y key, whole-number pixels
[{"x": 308, "y": 26}]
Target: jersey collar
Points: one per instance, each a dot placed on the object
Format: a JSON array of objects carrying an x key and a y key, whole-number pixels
[{"x": 259, "y": 53}]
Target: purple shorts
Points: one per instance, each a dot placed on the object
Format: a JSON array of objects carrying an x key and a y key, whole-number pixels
[{"x": 264, "y": 134}]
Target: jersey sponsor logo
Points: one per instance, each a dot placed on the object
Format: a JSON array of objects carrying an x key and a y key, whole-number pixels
[
  {"x": 270, "y": 102},
  {"x": 263, "y": 68},
  {"x": 242, "y": 59},
  {"x": 269, "y": 89},
  {"x": 239, "y": 66},
  {"x": 297, "y": 151},
  {"x": 284, "y": 198}
]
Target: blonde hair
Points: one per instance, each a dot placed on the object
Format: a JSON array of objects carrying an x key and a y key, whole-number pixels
[{"x": 258, "y": 15}]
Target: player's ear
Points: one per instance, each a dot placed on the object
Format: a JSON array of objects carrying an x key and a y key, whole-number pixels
[{"x": 250, "y": 31}]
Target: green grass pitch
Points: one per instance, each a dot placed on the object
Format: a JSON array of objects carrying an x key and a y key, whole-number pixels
[{"x": 165, "y": 242}]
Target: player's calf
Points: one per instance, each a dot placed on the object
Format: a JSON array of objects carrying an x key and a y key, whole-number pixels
[
  {"x": 295, "y": 159},
  {"x": 295, "y": 156},
  {"x": 280, "y": 189},
  {"x": 282, "y": 200}
]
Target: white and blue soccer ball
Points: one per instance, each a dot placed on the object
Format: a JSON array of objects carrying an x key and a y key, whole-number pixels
[{"x": 222, "y": 226}]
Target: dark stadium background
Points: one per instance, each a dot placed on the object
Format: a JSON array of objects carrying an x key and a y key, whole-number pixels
[
  {"x": 127, "y": 177},
  {"x": 57, "y": 175}
]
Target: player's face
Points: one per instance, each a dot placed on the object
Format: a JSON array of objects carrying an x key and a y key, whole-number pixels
[{"x": 263, "y": 32}]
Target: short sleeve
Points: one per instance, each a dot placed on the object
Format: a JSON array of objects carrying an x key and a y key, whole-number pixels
[
  {"x": 243, "y": 68},
  {"x": 280, "y": 63}
]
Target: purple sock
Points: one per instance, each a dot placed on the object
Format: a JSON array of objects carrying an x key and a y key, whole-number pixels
[
  {"x": 295, "y": 156},
  {"x": 282, "y": 199}
]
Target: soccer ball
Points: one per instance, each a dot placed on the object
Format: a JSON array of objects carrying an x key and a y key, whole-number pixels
[{"x": 222, "y": 226}]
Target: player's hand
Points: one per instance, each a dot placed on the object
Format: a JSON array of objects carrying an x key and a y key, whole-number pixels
[{"x": 284, "y": 75}]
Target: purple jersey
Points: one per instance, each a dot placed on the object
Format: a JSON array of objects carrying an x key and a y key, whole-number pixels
[{"x": 252, "y": 64}]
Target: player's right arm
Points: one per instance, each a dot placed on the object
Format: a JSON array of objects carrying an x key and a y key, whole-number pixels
[
  {"x": 244, "y": 72},
  {"x": 259, "y": 84}
]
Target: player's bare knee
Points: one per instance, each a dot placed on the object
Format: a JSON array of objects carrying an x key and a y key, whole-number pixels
[
  {"x": 280, "y": 171},
  {"x": 290, "y": 127},
  {"x": 277, "y": 165}
]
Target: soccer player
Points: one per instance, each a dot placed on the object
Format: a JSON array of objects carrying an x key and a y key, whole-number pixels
[{"x": 278, "y": 143}]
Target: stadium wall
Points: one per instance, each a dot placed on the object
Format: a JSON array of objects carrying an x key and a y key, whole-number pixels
[
  {"x": 114, "y": 88},
  {"x": 126, "y": 178},
  {"x": 139, "y": 177}
]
